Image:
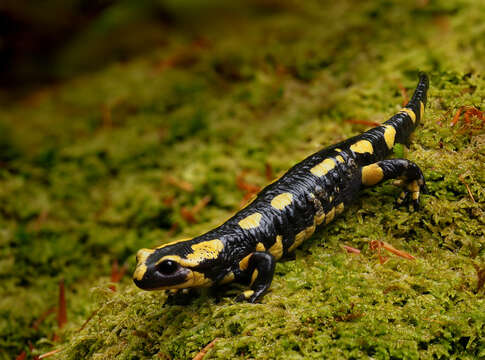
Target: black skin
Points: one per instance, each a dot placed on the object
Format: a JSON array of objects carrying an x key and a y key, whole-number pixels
[{"x": 311, "y": 196}]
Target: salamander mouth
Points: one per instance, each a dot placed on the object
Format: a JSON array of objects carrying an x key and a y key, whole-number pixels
[{"x": 150, "y": 278}]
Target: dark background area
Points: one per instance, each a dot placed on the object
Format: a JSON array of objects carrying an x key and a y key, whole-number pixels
[{"x": 42, "y": 43}]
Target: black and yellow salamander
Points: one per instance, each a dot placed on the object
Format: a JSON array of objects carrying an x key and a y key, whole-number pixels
[{"x": 246, "y": 247}]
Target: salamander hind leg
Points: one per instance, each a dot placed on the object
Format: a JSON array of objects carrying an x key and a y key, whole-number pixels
[
  {"x": 260, "y": 268},
  {"x": 409, "y": 177}
]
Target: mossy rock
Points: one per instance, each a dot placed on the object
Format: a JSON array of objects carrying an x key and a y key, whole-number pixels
[{"x": 87, "y": 177}]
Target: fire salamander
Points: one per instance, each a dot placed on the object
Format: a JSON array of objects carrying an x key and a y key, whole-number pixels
[{"x": 246, "y": 247}]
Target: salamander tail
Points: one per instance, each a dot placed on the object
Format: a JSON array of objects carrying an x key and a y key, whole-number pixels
[
  {"x": 409, "y": 117},
  {"x": 419, "y": 99}
]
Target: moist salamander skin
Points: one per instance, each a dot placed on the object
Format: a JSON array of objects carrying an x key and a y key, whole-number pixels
[{"x": 311, "y": 194}]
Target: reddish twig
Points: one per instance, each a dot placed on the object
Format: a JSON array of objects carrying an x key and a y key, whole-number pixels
[
  {"x": 88, "y": 320},
  {"x": 62, "y": 309},
  {"x": 462, "y": 179},
  {"x": 268, "y": 172},
  {"x": 187, "y": 215},
  {"x": 351, "y": 250},
  {"x": 377, "y": 245},
  {"x": 397, "y": 252},
  {"x": 181, "y": 184},
  {"x": 243, "y": 185},
  {"x": 42, "y": 317},
  {"x": 169, "y": 200},
  {"x": 468, "y": 112},
  {"x": 404, "y": 93},
  {"x": 250, "y": 190},
  {"x": 456, "y": 117},
  {"x": 117, "y": 273},
  {"x": 205, "y": 350},
  {"x": 201, "y": 204},
  {"x": 21, "y": 356},
  {"x": 348, "y": 317},
  {"x": 190, "y": 214},
  {"x": 48, "y": 354}
]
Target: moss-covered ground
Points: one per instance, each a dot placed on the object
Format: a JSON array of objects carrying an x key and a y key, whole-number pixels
[{"x": 90, "y": 171}]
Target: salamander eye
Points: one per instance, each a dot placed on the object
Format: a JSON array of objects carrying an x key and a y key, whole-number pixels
[{"x": 167, "y": 267}]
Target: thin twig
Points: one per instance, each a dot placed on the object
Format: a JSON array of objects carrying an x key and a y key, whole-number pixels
[
  {"x": 50, "y": 353},
  {"x": 88, "y": 320},
  {"x": 467, "y": 187},
  {"x": 204, "y": 351},
  {"x": 351, "y": 250},
  {"x": 62, "y": 310},
  {"x": 377, "y": 245}
]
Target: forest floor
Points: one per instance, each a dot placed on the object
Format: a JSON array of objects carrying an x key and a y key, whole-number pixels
[{"x": 166, "y": 146}]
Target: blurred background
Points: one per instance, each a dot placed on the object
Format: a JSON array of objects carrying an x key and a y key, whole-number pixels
[{"x": 46, "y": 42}]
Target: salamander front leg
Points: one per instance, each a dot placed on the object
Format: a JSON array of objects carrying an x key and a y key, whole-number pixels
[
  {"x": 409, "y": 175},
  {"x": 261, "y": 266}
]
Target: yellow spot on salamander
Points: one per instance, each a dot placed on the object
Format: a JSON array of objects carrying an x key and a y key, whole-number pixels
[
  {"x": 323, "y": 168},
  {"x": 415, "y": 195},
  {"x": 251, "y": 221},
  {"x": 299, "y": 238},
  {"x": 248, "y": 293},
  {"x": 413, "y": 186},
  {"x": 339, "y": 208},
  {"x": 244, "y": 263},
  {"x": 143, "y": 254},
  {"x": 198, "y": 280},
  {"x": 253, "y": 277},
  {"x": 389, "y": 135},
  {"x": 311, "y": 229},
  {"x": 411, "y": 113},
  {"x": 330, "y": 215},
  {"x": 362, "y": 146},
  {"x": 260, "y": 247},
  {"x": 277, "y": 248},
  {"x": 422, "y": 111},
  {"x": 141, "y": 258},
  {"x": 340, "y": 158},
  {"x": 206, "y": 250},
  {"x": 228, "y": 278},
  {"x": 319, "y": 218},
  {"x": 338, "y": 150},
  {"x": 372, "y": 174},
  {"x": 140, "y": 271},
  {"x": 302, "y": 235},
  {"x": 282, "y": 200}
]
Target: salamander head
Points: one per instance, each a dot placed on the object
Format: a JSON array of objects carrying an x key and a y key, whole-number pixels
[{"x": 175, "y": 265}]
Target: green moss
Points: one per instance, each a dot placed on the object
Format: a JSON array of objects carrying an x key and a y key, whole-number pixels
[{"x": 84, "y": 181}]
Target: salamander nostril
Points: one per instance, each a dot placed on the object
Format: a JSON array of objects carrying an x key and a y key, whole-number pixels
[{"x": 167, "y": 267}]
